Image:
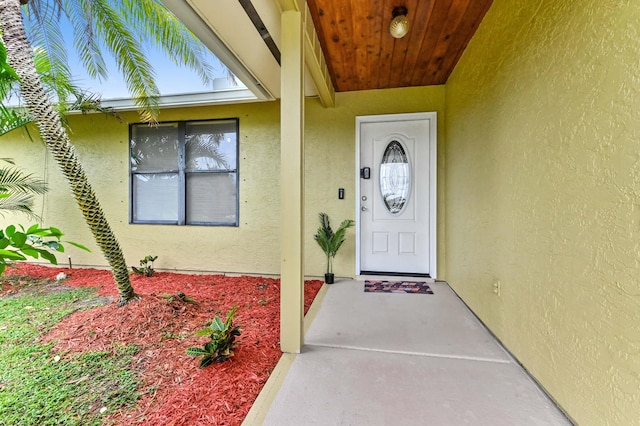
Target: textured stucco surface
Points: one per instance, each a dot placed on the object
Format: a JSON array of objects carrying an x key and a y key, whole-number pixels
[
  {"x": 254, "y": 246},
  {"x": 543, "y": 194}
]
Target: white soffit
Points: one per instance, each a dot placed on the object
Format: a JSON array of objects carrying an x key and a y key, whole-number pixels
[
  {"x": 203, "y": 30},
  {"x": 230, "y": 23},
  {"x": 269, "y": 12},
  {"x": 232, "y": 37}
]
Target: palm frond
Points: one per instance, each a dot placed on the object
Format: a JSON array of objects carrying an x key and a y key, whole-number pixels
[
  {"x": 59, "y": 86},
  {"x": 41, "y": 10},
  {"x": 57, "y": 80},
  {"x": 18, "y": 203},
  {"x": 8, "y": 87},
  {"x": 85, "y": 38},
  {"x": 130, "y": 58},
  {"x": 326, "y": 224},
  {"x": 43, "y": 30},
  {"x": 87, "y": 102},
  {"x": 16, "y": 181},
  {"x": 13, "y": 118},
  {"x": 161, "y": 27},
  {"x": 8, "y": 76}
]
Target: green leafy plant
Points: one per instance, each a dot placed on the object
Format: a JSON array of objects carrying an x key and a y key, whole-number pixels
[
  {"x": 220, "y": 347},
  {"x": 169, "y": 335},
  {"x": 180, "y": 297},
  {"x": 18, "y": 190},
  {"x": 146, "y": 266},
  {"x": 16, "y": 243},
  {"x": 330, "y": 241}
]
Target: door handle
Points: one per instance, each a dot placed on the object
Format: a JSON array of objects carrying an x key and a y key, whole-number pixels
[{"x": 364, "y": 208}]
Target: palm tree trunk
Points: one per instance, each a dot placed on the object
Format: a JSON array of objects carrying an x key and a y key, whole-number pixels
[{"x": 55, "y": 136}]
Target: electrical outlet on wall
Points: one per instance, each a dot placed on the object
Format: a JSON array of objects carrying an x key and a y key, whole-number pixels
[{"x": 496, "y": 287}]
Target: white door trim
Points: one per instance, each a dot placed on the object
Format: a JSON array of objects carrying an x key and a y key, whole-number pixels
[{"x": 433, "y": 143}]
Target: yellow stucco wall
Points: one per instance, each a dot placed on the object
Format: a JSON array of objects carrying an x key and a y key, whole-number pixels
[
  {"x": 254, "y": 246},
  {"x": 543, "y": 194}
]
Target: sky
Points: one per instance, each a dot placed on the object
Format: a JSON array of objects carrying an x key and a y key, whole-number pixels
[{"x": 170, "y": 79}]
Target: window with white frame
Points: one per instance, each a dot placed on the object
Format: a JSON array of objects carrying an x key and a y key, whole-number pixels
[{"x": 185, "y": 173}]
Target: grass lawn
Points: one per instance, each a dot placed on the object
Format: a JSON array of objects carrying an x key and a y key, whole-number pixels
[{"x": 41, "y": 387}]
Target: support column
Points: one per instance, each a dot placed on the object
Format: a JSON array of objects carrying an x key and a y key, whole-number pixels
[{"x": 292, "y": 183}]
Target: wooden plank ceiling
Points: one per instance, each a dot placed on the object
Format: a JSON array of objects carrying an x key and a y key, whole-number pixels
[{"x": 362, "y": 55}]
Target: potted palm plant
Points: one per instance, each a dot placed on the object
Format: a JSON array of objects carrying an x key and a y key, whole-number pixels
[{"x": 330, "y": 241}]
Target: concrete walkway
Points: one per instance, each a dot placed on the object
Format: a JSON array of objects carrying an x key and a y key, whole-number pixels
[{"x": 400, "y": 359}]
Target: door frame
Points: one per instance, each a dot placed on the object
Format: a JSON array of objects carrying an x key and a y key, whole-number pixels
[{"x": 433, "y": 173}]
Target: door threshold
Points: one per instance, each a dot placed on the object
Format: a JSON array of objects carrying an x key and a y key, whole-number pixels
[
  {"x": 392, "y": 276},
  {"x": 395, "y": 274}
]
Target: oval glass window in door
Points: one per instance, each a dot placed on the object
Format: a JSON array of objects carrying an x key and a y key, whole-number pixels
[{"x": 395, "y": 177}]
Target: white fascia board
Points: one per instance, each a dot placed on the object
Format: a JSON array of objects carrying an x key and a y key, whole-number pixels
[
  {"x": 188, "y": 99},
  {"x": 184, "y": 100}
]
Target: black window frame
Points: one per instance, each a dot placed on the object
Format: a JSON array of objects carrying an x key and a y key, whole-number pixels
[{"x": 182, "y": 175}]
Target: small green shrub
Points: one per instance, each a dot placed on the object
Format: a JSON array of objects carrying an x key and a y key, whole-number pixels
[
  {"x": 220, "y": 347},
  {"x": 146, "y": 266},
  {"x": 170, "y": 335},
  {"x": 331, "y": 241},
  {"x": 180, "y": 297}
]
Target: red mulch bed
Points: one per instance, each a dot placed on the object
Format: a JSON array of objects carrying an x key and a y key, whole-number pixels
[{"x": 175, "y": 391}]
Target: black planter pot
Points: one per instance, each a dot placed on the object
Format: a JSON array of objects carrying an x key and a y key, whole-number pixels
[{"x": 328, "y": 278}]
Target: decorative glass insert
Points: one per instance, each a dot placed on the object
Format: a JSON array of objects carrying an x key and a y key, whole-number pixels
[{"x": 395, "y": 177}]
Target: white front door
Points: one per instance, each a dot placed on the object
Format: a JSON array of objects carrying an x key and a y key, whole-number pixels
[{"x": 396, "y": 225}]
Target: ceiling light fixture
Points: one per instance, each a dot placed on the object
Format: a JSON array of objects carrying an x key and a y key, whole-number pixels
[{"x": 399, "y": 24}]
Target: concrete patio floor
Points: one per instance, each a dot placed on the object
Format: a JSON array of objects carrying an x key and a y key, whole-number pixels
[{"x": 400, "y": 359}]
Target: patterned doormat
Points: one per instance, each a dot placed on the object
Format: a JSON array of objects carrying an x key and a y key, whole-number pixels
[{"x": 419, "y": 287}]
